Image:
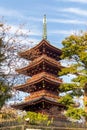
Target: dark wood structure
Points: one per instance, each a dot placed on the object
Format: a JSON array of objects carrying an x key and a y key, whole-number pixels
[{"x": 43, "y": 86}]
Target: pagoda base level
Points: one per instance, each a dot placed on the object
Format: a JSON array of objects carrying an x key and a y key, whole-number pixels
[
  {"x": 53, "y": 113},
  {"x": 52, "y": 109},
  {"x": 56, "y": 116}
]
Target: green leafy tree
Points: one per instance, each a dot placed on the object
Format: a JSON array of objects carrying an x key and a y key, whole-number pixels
[
  {"x": 66, "y": 100},
  {"x": 75, "y": 113},
  {"x": 75, "y": 52},
  {"x": 37, "y": 118}
]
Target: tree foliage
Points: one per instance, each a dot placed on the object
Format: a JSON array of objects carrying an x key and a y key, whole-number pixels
[
  {"x": 7, "y": 113},
  {"x": 4, "y": 88},
  {"x": 75, "y": 52},
  {"x": 75, "y": 113},
  {"x": 12, "y": 40},
  {"x": 37, "y": 118},
  {"x": 66, "y": 100}
]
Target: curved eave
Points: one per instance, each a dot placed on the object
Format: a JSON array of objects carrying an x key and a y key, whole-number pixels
[
  {"x": 57, "y": 50},
  {"x": 27, "y": 86},
  {"x": 36, "y": 101},
  {"x": 45, "y": 59}
]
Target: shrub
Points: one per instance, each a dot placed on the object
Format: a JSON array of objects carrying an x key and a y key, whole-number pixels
[{"x": 37, "y": 118}]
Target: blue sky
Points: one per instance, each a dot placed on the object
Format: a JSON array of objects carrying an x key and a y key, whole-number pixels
[{"x": 64, "y": 17}]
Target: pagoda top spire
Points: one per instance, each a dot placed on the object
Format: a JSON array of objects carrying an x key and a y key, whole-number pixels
[{"x": 44, "y": 28}]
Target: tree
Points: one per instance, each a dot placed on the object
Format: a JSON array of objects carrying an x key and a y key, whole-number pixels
[
  {"x": 11, "y": 41},
  {"x": 4, "y": 88},
  {"x": 14, "y": 40},
  {"x": 75, "y": 52},
  {"x": 37, "y": 118}
]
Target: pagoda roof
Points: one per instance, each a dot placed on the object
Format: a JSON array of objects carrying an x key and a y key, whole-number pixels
[
  {"x": 37, "y": 61},
  {"x": 30, "y": 51},
  {"x": 43, "y": 76},
  {"x": 42, "y": 98},
  {"x": 41, "y": 93}
]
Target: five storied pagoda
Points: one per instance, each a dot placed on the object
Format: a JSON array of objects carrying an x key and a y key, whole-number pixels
[{"x": 43, "y": 84}]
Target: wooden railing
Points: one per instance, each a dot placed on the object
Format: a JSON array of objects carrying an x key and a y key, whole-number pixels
[{"x": 55, "y": 125}]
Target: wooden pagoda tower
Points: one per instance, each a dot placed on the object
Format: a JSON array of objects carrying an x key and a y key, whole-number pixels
[{"x": 43, "y": 84}]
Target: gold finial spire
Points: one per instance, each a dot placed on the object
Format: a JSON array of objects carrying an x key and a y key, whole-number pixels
[{"x": 44, "y": 28}]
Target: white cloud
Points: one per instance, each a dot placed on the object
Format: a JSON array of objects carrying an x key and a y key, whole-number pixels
[
  {"x": 79, "y": 1},
  {"x": 14, "y": 33},
  {"x": 34, "y": 19},
  {"x": 76, "y": 1},
  {"x": 13, "y": 29},
  {"x": 76, "y": 11},
  {"x": 9, "y": 12},
  {"x": 67, "y": 21},
  {"x": 16, "y": 13},
  {"x": 64, "y": 32}
]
